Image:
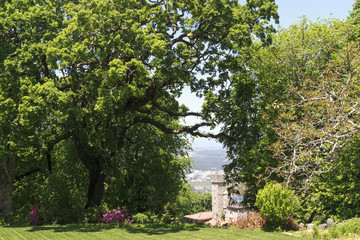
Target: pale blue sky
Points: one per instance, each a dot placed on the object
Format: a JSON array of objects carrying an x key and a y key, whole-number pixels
[{"x": 289, "y": 12}]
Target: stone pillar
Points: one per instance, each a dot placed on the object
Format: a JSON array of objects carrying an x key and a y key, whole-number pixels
[
  {"x": 7, "y": 176},
  {"x": 218, "y": 188}
]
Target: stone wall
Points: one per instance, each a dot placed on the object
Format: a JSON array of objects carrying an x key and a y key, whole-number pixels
[{"x": 7, "y": 174}]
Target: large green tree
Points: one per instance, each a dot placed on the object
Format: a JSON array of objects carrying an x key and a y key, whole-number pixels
[
  {"x": 302, "y": 119},
  {"x": 92, "y": 71},
  {"x": 254, "y": 106},
  {"x": 317, "y": 131}
]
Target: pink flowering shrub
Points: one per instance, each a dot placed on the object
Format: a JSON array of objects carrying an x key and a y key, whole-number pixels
[
  {"x": 120, "y": 216},
  {"x": 34, "y": 217}
]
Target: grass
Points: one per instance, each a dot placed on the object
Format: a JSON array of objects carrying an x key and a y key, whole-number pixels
[{"x": 187, "y": 231}]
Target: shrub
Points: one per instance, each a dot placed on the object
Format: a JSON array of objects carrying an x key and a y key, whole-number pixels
[
  {"x": 120, "y": 216},
  {"x": 140, "y": 218},
  {"x": 34, "y": 215},
  {"x": 276, "y": 205},
  {"x": 18, "y": 216},
  {"x": 167, "y": 216},
  {"x": 61, "y": 194},
  {"x": 189, "y": 202},
  {"x": 153, "y": 217},
  {"x": 349, "y": 228},
  {"x": 94, "y": 214},
  {"x": 251, "y": 220}
]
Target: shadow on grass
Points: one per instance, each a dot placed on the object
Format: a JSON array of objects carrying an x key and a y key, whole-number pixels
[
  {"x": 149, "y": 229},
  {"x": 159, "y": 229},
  {"x": 71, "y": 228}
]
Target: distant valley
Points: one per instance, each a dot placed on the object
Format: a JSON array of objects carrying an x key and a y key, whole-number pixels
[
  {"x": 208, "y": 158},
  {"x": 206, "y": 161}
]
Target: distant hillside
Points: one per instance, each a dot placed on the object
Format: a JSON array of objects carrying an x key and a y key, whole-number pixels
[{"x": 208, "y": 159}]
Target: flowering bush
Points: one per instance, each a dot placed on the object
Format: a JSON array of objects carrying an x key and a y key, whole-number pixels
[
  {"x": 251, "y": 220},
  {"x": 120, "y": 216},
  {"x": 34, "y": 217}
]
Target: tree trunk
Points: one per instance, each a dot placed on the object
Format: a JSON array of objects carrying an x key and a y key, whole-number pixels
[
  {"x": 95, "y": 165},
  {"x": 7, "y": 176},
  {"x": 96, "y": 188}
]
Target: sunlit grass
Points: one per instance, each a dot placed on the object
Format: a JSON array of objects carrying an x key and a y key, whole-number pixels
[{"x": 188, "y": 231}]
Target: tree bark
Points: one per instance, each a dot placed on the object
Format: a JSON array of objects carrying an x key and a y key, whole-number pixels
[
  {"x": 7, "y": 177},
  {"x": 95, "y": 165},
  {"x": 96, "y": 188}
]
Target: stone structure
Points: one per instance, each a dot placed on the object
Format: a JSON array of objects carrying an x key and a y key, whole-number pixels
[
  {"x": 7, "y": 175},
  {"x": 218, "y": 188},
  {"x": 223, "y": 205}
]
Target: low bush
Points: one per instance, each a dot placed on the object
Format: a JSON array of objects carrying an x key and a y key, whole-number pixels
[
  {"x": 141, "y": 218},
  {"x": 349, "y": 228},
  {"x": 276, "y": 204},
  {"x": 251, "y": 220},
  {"x": 189, "y": 202},
  {"x": 119, "y": 216},
  {"x": 163, "y": 217},
  {"x": 94, "y": 215}
]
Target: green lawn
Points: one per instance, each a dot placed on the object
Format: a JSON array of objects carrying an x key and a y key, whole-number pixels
[{"x": 189, "y": 232}]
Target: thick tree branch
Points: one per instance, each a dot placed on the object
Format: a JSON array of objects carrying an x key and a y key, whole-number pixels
[
  {"x": 17, "y": 178},
  {"x": 176, "y": 114},
  {"x": 50, "y": 147},
  {"x": 192, "y": 130}
]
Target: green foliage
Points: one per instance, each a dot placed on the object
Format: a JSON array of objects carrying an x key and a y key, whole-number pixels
[
  {"x": 61, "y": 194},
  {"x": 104, "y": 75},
  {"x": 150, "y": 217},
  {"x": 313, "y": 146},
  {"x": 354, "y": 20},
  {"x": 94, "y": 215},
  {"x": 185, "y": 203},
  {"x": 62, "y": 197},
  {"x": 140, "y": 218},
  {"x": 166, "y": 216},
  {"x": 348, "y": 229},
  {"x": 15, "y": 218},
  {"x": 259, "y": 93},
  {"x": 337, "y": 191},
  {"x": 277, "y": 204},
  {"x": 138, "y": 183},
  {"x": 189, "y": 202},
  {"x": 279, "y": 125}
]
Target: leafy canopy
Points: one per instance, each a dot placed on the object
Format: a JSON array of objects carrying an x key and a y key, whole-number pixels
[{"x": 94, "y": 71}]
